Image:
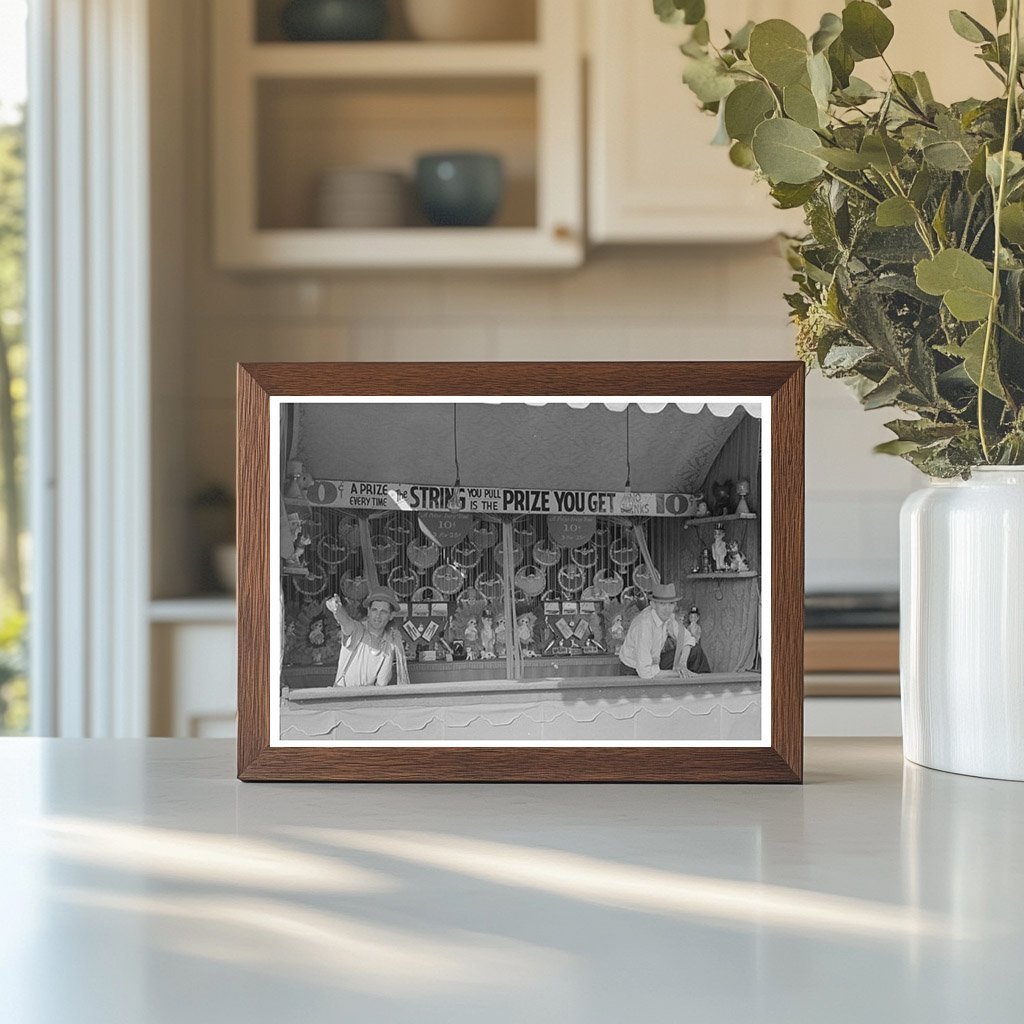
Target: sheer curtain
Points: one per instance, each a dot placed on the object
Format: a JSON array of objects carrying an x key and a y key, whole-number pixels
[{"x": 88, "y": 298}]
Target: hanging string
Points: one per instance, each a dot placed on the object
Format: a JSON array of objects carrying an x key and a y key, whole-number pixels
[
  {"x": 455, "y": 434},
  {"x": 513, "y": 648},
  {"x": 627, "y": 450},
  {"x": 645, "y": 552},
  {"x": 366, "y": 548}
]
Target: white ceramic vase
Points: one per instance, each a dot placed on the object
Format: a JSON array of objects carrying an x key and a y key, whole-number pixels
[{"x": 962, "y": 624}]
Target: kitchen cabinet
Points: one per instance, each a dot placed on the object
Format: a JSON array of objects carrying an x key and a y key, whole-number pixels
[
  {"x": 653, "y": 175},
  {"x": 286, "y": 113},
  {"x": 852, "y": 682},
  {"x": 193, "y": 667}
]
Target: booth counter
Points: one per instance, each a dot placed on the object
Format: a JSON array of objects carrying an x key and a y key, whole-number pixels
[{"x": 548, "y": 707}]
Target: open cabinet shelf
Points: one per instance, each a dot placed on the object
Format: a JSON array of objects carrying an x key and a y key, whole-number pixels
[
  {"x": 287, "y": 114},
  {"x": 394, "y": 60}
]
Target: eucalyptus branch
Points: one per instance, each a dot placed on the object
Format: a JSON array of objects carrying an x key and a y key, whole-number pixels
[
  {"x": 977, "y": 238},
  {"x": 969, "y": 218},
  {"x": 923, "y": 227},
  {"x": 853, "y": 185},
  {"x": 894, "y": 291},
  {"x": 906, "y": 98},
  {"x": 993, "y": 308}
]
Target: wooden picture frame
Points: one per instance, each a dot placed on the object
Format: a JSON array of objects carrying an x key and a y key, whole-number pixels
[{"x": 778, "y": 758}]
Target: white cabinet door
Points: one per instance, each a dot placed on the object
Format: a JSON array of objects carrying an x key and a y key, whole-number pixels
[
  {"x": 193, "y": 679},
  {"x": 653, "y": 175}
]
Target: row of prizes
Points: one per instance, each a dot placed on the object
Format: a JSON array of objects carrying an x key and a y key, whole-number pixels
[
  {"x": 727, "y": 556},
  {"x": 615, "y": 626},
  {"x": 299, "y": 539},
  {"x": 483, "y": 634},
  {"x": 728, "y": 498}
]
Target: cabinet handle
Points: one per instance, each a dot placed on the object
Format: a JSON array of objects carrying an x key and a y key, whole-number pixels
[{"x": 563, "y": 232}]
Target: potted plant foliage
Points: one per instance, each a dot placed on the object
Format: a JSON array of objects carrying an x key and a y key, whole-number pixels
[{"x": 908, "y": 288}]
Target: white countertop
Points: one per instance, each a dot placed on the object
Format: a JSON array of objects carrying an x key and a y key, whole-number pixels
[{"x": 143, "y": 884}]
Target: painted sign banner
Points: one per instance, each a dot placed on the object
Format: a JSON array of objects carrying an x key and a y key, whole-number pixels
[{"x": 369, "y": 496}]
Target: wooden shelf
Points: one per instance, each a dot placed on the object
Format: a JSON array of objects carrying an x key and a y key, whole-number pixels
[
  {"x": 852, "y": 650},
  {"x": 212, "y": 608},
  {"x": 393, "y": 60},
  {"x": 735, "y": 517},
  {"x": 720, "y": 575},
  {"x": 309, "y": 248}
]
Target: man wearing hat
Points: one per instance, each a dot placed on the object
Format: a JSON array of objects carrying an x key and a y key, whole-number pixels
[
  {"x": 371, "y": 653},
  {"x": 646, "y": 647}
]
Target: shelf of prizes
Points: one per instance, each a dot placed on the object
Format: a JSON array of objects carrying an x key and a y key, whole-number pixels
[{"x": 507, "y": 596}]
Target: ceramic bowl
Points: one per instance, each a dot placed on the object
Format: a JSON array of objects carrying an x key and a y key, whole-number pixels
[
  {"x": 460, "y": 189},
  {"x": 334, "y": 20},
  {"x": 470, "y": 20},
  {"x": 361, "y": 197}
]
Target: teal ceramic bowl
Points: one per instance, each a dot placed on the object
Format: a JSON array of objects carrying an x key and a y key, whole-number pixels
[
  {"x": 333, "y": 21},
  {"x": 461, "y": 190}
]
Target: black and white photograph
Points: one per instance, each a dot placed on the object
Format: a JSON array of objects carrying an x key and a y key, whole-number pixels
[{"x": 551, "y": 572}]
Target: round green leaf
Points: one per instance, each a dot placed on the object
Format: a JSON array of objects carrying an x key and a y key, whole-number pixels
[
  {"x": 963, "y": 281},
  {"x": 746, "y": 107},
  {"x": 896, "y": 447},
  {"x": 820, "y": 75},
  {"x": 947, "y": 156},
  {"x": 740, "y": 39},
  {"x": 882, "y": 152},
  {"x": 788, "y": 197},
  {"x": 1011, "y": 225},
  {"x": 674, "y": 12},
  {"x": 707, "y": 80},
  {"x": 742, "y": 156},
  {"x": 866, "y": 29},
  {"x": 971, "y": 352},
  {"x": 693, "y": 11},
  {"x": 829, "y": 30},
  {"x": 844, "y": 159},
  {"x": 858, "y": 91},
  {"x": 895, "y": 212},
  {"x": 841, "y": 62},
  {"x": 1014, "y": 169},
  {"x": 779, "y": 51},
  {"x": 967, "y": 28},
  {"x": 785, "y": 151},
  {"x": 801, "y": 106}
]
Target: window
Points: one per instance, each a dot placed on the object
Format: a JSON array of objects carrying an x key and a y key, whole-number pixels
[{"x": 14, "y": 693}]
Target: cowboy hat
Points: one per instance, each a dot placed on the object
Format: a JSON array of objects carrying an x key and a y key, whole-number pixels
[
  {"x": 382, "y": 594},
  {"x": 664, "y": 592}
]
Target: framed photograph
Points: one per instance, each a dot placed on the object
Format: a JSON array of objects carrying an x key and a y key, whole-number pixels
[{"x": 520, "y": 571}]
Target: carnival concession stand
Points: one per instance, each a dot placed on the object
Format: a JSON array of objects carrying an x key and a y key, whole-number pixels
[{"x": 521, "y": 539}]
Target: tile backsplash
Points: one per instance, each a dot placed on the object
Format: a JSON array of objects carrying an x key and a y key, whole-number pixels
[{"x": 718, "y": 302}]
